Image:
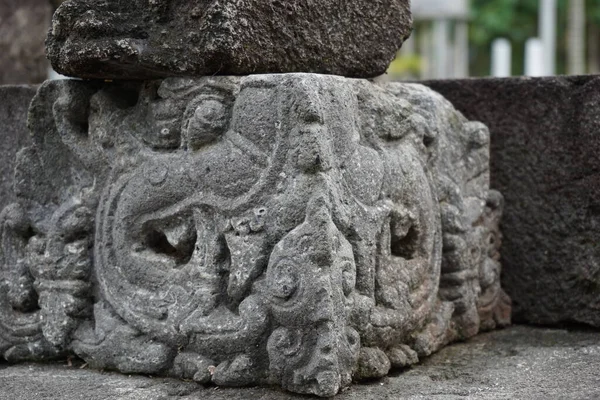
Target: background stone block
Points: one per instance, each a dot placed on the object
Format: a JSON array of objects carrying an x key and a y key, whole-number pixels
[
  {"x": 545, "y": 159},
  {"x": 14, "y": 103}
]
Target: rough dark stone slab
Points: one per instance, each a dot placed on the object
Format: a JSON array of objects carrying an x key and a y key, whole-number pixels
[
  {"x": 14, "y": 103},
  {"x": 140, "y": 39},
  {"x": 546, "y": 161},
  {"x": 516, "y": 363},
  {"x": 23, "y": 26}
]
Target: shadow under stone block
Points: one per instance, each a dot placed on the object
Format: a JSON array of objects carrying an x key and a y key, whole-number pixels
[{"x": 545, "y": 159}]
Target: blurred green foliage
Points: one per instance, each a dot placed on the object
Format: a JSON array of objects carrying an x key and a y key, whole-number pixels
[
  {"x": 516, "y": 20},
  {"x": 593, "y": 11},
  {"x": 406, "y": 67}
]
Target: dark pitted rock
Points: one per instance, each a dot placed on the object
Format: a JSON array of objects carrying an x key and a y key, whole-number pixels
[
  {"x": 142, "y": 39},
  {"x": 23, "y": 26},
  {"x": 14, "y": 136},
  {"x": 546, "y": 161},
  {"x": 301, "y": 230}
]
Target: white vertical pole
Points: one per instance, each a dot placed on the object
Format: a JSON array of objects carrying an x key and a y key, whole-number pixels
[
  {"x": 501, "y": 58},
  {"x": 425, "y": 43},
  {"x": 461, "y": 49},
  {"x": 547, "y": 25},
  {"x": 576, "y": 37},
  {"x": 408, "y": 47},
  {"x": 534, "y": 58},
  {"x": 440, "y": 53}
]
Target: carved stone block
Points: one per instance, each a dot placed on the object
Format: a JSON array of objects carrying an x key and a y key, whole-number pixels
[
  {"x": 13, "y": 134},
  {"x": 300, "y": 230},
  {"x": 146, "y": 39}
]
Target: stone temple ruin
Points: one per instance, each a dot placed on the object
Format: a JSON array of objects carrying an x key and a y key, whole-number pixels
[{"x": 298, "y": 229}]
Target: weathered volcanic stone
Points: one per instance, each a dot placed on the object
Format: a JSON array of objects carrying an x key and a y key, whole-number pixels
[
  {"x": 14, "y": 136},
  {"x": 23, "y": 26},
  {"x": 298, "y": 229},
  {"x": 141, "y": 39},
  {"x": 546, "y": 161}
]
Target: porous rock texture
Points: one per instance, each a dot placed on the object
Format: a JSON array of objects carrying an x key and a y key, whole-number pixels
[
  {"x": 300, "y": 230},
  {"x": 142, "y": 39},
  {"x": 545, "y": 159},
  {"x": 14, "y": 135},
  {"x": 23, "y": 26}
]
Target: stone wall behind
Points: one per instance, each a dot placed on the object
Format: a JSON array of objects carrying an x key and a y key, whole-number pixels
[
  {"x": 23, "y": 28},
  {"x": 545, "y": 159}
]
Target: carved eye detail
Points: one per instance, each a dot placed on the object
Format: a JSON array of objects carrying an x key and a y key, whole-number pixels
[
  {"x": 164, "y": 129},
  {"x": 352, "y": 337},
  {"x": 207, "y": 121},
  {"x": 284, "y": 280},
  {"x": 405, "y": 234},
  {"x": 175, "y": 241}
]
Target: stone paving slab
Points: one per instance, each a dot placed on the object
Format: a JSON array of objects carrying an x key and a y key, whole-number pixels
[{"x": 516, "y": 363}]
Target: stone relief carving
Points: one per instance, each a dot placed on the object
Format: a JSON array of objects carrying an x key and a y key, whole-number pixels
[{"x": 301, "y": 230}]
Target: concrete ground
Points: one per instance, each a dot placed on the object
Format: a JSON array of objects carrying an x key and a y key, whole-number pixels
[{"x": 516, "y": 363}]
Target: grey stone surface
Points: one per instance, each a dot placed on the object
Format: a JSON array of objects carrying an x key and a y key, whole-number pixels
[
  {"x": 300, "y": 230},
  {"x": 516, "y": 363},
  {"x": 23, "y": 27},
  {"x": 546, "y": 161},
  {"x": 14, "y": 103},
  {"x": 141, "y": 39}
]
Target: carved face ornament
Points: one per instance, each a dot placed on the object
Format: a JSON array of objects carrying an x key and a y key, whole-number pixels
[{"x": 278, "y": 227}]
